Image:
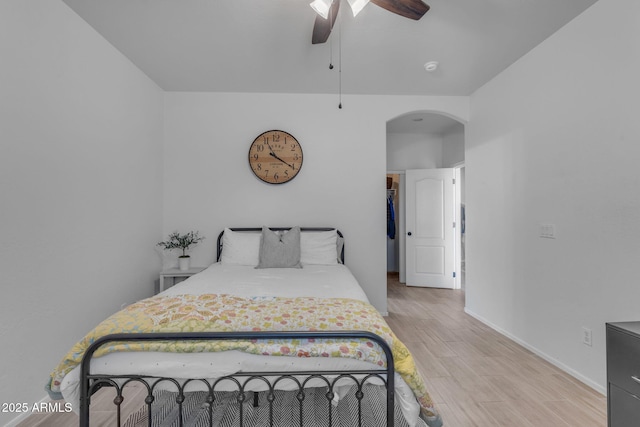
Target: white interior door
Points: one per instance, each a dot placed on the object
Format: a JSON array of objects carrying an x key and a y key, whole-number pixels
[{"x": 430, "y": 239}]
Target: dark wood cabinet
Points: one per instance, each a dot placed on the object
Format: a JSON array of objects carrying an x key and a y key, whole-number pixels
[{"x": 623, "y": 374}]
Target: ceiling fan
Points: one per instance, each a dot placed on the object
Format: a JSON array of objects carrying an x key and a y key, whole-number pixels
[{"x": 327, "y": 11}]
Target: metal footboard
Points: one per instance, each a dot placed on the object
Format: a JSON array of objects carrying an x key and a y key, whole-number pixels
[{"x": 269, "y": 380}]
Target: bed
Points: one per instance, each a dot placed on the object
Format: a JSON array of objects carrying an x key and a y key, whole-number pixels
[{"x": 293, "y": 342}]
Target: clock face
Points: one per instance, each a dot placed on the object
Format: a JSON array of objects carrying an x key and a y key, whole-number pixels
[{"x": 275, "y": 157}]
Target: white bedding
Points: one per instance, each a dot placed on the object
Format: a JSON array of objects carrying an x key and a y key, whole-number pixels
[
  {"x": 324, "y": 281},
  {"x": 328, "y": 281}
]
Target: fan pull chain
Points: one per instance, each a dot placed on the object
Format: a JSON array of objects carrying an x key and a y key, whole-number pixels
[
  {"x": 340, "y": 60},
  {"x": 331, "y": 54},
  {"x": 339, "y": 24}
]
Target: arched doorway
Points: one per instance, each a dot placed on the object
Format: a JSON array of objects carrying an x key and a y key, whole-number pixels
[{"x": 423, "y": 140}]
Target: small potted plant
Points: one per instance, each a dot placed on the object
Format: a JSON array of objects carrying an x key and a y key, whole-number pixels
[{"x": 184, "y": 241}]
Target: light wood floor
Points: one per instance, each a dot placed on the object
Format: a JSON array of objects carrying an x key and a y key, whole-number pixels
[{"x": 476, "y": 376}]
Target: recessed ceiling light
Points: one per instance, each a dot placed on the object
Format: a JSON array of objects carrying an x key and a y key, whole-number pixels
[{"x": 431, "y": 66}]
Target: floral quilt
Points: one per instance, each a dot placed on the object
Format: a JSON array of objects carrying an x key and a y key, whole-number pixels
[{"x": 214, "y": 312}]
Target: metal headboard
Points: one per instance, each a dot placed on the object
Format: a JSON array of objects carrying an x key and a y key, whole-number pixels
[{"x": 259, "y": 229}]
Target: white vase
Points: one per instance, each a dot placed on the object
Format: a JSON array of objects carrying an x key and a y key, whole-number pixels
[{"x": 184, "y": 262}]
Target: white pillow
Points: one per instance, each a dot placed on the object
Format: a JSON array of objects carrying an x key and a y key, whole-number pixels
[
  {"x": 318, "y": 247},
  {"x": 240, "y": 247}
]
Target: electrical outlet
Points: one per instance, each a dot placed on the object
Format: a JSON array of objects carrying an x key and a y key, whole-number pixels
[
  {"x": 586, "y": 336},
  {"x": 548, "y": 231}
]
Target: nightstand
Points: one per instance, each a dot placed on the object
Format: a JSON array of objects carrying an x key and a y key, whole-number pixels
[
  {"x": 173, "y": 273},
  {"x": 623, "y": 373}
]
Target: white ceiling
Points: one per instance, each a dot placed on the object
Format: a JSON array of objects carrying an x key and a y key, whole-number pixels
[{"x": 265, "y": 45}]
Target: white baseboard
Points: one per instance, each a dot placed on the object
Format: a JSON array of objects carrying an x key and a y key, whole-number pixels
[
  {"x": 587, "y": 381},
  {"x": 23, "y": 416}
]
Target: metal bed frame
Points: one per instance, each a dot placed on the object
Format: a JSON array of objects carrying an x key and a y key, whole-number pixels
[
  {"x": 91, "y": 383},
  {"x": 258, "y": 229}
]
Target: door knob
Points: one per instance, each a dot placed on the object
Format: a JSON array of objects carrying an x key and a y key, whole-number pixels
[{"x": 409, "y": 234}]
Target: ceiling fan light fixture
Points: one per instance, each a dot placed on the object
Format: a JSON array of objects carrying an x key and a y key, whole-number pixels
[
  {"x": 357, "y": 5},
  {"x": 321, "y": 7}
]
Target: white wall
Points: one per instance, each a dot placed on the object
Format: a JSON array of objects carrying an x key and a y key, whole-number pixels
[
  {"x": 406, "y": 150},
  {"x": 453, "y": 146},
  {"x": 413, "y": 151},
  {"x": 80, "y": 187},
  {"x": 209, "y": 185},
  {"x": 554, "y": 139}
]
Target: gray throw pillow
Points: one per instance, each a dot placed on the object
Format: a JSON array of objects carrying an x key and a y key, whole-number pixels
[{"x": 280, "y": 250}]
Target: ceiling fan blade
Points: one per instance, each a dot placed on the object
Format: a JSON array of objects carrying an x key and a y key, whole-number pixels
[
  {"x": 322, "y": 27},
  {"x": 412, "y": 9}
]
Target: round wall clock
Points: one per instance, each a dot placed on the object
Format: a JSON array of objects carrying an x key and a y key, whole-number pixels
[{"x": 275, "y": 157}]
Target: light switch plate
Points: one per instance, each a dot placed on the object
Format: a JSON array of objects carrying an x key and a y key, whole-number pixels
[{"x": 548, "y": 231}]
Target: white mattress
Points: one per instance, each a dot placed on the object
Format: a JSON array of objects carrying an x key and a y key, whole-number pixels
[{"x": 325, "y": 281}]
